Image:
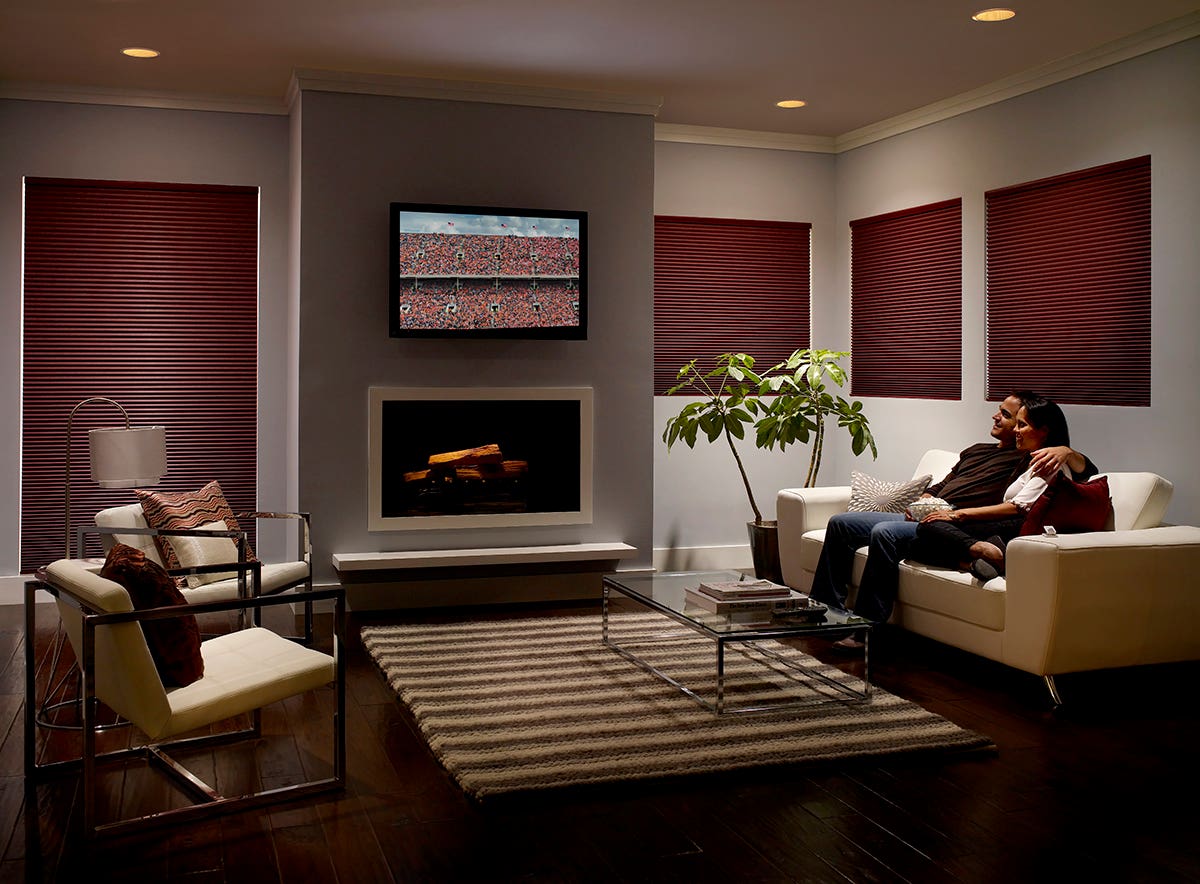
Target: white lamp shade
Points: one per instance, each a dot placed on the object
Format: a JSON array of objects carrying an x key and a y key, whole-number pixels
[{"x": 128, "y": 458}]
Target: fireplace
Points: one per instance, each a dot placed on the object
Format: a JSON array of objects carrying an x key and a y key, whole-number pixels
[{"x": 478, "y": 457}]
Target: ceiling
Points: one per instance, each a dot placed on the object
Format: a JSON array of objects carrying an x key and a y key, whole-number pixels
[{"x": 715, "y": 63}]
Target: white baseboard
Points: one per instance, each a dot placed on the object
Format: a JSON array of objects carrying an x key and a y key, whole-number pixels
[
  {"x": 12, "y": 590},
  {"x": 735, "y": 557}
]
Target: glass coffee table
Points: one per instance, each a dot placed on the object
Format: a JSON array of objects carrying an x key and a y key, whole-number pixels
[{"x": 664, "y": 593}]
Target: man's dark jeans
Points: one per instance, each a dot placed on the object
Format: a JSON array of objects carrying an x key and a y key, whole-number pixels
[{"x": 888, "y": 537}]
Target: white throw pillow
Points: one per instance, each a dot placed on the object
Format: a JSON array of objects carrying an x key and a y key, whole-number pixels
[
  {"x": 871, "y": 495},
  {"x": 193, "y": 552}
]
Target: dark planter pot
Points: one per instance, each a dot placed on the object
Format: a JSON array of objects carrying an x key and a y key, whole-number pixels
[{"x": 764, "y": 547}]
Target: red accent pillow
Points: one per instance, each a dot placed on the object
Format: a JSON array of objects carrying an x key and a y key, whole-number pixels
[
  {"x": 174, "y": 642},
  {"x": 181, "y": 510},
  {"x": 1071, "y": 507}
]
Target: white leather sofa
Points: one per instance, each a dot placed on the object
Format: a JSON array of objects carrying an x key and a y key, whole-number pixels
[{"x": 1069, "y": 603}]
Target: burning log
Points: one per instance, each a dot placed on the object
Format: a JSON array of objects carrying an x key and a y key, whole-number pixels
[{"x": 484, "y": 454}]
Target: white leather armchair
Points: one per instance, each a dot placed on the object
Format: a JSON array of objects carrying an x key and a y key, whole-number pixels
[
  {"x": 128, "y": 525},
  {"x": 243, "y": 671}
]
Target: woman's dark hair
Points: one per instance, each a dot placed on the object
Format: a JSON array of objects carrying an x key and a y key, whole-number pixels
[{"x": 1042, "y": 414}]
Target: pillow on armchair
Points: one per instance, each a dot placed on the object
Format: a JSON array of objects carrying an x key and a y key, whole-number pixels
[
  {"x": 180, "y": 511},
  {"x": 193, "y": 552},
  {"x": 174, "y": 642}
]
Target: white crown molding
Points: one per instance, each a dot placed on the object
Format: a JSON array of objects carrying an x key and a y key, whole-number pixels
[
  {"x": 1158, "y": 37},
  {"x": 128, "y": 98},
  {"x": 743, "y": 138},
  {"x": 466, "y": 90}
]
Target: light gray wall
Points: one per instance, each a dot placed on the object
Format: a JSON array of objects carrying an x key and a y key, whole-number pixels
[
  {"x": 1148, "y": 105},
  {"x": 360, "y": 152},
  {"x": 59, "y": 140},
  {"x": 700, "y": 504}
]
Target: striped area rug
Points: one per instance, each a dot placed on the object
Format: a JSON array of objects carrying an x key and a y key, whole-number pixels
[{"x": 528, "y": 704}]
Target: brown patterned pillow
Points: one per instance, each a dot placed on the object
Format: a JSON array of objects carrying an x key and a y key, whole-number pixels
[
  {"x": 174, "y": 642},
  {"x": 178, "y": 511}
]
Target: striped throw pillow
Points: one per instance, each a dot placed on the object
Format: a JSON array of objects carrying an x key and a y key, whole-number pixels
[{"x": 179, "y": 511}]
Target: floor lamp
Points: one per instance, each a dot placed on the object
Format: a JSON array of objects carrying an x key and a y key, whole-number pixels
[{"x": 132, "y": 457}]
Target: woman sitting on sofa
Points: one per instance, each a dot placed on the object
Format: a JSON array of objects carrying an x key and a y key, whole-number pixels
[{"x": 973, "y": 538}]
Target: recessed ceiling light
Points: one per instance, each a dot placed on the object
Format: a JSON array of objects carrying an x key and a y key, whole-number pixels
[
  {"x": 996, "y": 14},
  {"x": 139, "y": 52},
  {"x": 791, "y": 102}
]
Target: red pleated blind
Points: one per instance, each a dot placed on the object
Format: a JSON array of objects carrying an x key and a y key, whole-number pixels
[
  {"x": 906, "y": 303},
  {"x": 728, "y": 286},
  {"x": 145, "y": 294},
  {"x": 1068, "y": 286}
]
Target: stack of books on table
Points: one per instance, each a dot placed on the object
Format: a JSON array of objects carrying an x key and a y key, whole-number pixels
[{"x": 745, "y": 596}]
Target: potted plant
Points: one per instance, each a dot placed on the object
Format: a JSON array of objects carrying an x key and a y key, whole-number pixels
[{"x": 786, "y": 404}]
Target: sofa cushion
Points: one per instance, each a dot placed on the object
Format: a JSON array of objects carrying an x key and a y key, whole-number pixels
[
  {"x": 1139, "y": 500},
  {"x": 179, "y": 511},
  {"x": 871, "y": 495},
  {"x": 174, "y": 642},
  {"x": 954, "y": 594},
  {"x": 1071, "y": 507},
  {"x": 937, "y": 462}
]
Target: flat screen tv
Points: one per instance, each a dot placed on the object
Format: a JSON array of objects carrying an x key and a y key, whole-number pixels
[{"x": 477, "y": 271}]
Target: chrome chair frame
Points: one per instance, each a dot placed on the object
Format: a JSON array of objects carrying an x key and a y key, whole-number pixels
[{"x": 154, "y": 752}]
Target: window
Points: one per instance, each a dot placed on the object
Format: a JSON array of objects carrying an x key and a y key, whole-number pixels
[
  {"x": 1068, "y": 286},
  {"x": 145, "y": 294},
  {"x": 728, "y": 286},
  {"x": 906, "y": 303}
]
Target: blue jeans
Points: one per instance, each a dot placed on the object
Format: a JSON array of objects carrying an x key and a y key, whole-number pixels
[{"x": 887, "y": 537}]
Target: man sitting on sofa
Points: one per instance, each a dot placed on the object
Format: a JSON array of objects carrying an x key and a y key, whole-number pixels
[{"x": 979, "y": 478}]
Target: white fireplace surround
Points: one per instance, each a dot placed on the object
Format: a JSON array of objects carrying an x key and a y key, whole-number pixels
[{"x": 376, "y": 521}]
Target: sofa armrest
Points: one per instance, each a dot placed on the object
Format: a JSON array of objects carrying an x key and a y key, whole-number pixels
[
  {"x": 797, "y": 511},
  {"x": 807, "y": 509},
  {"x": 1103, "y": 599}
]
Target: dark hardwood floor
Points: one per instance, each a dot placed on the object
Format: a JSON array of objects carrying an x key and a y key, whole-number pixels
[{"x": 1102, "y": 789}]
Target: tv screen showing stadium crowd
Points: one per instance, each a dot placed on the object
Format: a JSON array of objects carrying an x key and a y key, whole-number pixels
[{"x": 460, "y": 271}]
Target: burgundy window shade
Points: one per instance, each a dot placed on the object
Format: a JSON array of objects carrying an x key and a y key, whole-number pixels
[
  {"x": 145, "y": 294},
  {"x": 906, "y": 303},
  {"x": 728, "y": 286},
  {"x": 1068, "y": 286}
]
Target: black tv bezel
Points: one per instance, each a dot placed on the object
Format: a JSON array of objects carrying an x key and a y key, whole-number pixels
[{"x": 560, "y": 332}]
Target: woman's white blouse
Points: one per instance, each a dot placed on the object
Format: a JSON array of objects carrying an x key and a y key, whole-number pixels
[{"x": 1027, "y": 488}]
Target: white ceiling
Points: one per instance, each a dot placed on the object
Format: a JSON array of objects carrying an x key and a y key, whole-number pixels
[{"x": 717, "y": 63}]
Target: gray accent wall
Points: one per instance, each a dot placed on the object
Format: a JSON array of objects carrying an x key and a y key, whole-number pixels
[{"x": 361, "y": 152}]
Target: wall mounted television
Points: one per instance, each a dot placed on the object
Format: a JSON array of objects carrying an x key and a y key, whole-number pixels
[{"x": 478, "y": 271}]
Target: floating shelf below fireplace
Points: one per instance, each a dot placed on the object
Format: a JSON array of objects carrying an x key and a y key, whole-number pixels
[{"x": 448, "y": 558}]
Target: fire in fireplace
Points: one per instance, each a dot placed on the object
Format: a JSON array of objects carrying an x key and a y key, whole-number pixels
[{"x": 479, "y": 457}]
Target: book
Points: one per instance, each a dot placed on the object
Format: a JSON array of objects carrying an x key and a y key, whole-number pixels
[
  {"x": 745, "y": 589},
  {"x": 766, "y": 606}
]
